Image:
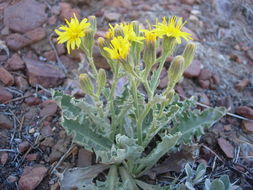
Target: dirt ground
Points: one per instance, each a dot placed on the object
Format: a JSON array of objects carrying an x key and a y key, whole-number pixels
[{"x": 33, "y": 145}]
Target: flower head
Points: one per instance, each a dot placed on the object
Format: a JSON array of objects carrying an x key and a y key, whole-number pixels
[
  {"x": 130, "y": 34},
  {"x": 172, "y": 28},
  {"x": 119, "y": 49},
  {"x": 150, "y": 35},
  {"x": 72, "y": 32}
]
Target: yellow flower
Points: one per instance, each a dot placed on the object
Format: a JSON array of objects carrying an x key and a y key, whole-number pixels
[
  {"x": 110, "y": 33},
  {"x": 172, "y": 28},
  {"x": 150, "y": 35},
  {"x": 129, "y": 33},
  {"x": 72, "y": 32},
  {"x": 119, "y": 48}
]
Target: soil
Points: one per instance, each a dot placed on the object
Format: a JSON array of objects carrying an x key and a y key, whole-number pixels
[{"x": 32, "y": 135}]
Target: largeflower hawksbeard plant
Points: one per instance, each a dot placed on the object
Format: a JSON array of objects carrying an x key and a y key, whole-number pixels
[{"x": 118, "y": 125}]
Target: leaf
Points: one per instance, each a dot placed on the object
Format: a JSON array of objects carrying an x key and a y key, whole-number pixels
[
  {"x": 112, "y": 178},
  {"x": 189, "y": 185},
  {"x": 81, "y": 177},
  {"x": 217, "y": 184},
  {"x": 147, "y": 186},
  {"x": 193, "y": 123}
]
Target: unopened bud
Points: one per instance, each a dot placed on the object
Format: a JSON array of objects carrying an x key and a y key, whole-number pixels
[
  {"x": 169, "y": 44},
  {"x": 101, "y": 81},
  {"x": 86, "y": 84},
  {"x": 149, "y": 54},
  {"x": 93, "y": 23},
  {"x": 175, "y": 70},
  {"x": 188, "y": 54},
  {"x": 88, "y": 41},
  {"x": 136, "y": 27}
]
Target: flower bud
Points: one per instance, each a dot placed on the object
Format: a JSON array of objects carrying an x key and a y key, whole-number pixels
[
  {"x": 188, "y": 54},
  {"x": 175, "y": 70},
  {"x": 101, "y": 81},
  {"x": 136, "y": 27},
  {"x": 86, "y": 84},
  {"x": 169, "y": 44},
  {"x": 88, "y": 42},
  {"x": 93, "y": 23},
  {"x": 149, "y": 54}
]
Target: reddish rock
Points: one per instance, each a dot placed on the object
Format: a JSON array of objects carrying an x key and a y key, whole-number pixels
[
  {"x": 202, "y": 98},
  {"x": 227, "y": 127},
  {"x": 118, "y": 3},
  {"x": 99, "y": 60},
  {"x": 52, "y": 20},
  {"x": 215, "y": 79},
  {"x": 245, "y": 111},
  {"x": 188, "y": 2},
  {"x": 205, "y": 74},
  {"x": 179, "y": 89},
  {"x": 31, "y": 177},
  {"x": 22, "y": 147},
  {"x": 49, "y": 108},
  {"x": 204, "y": 83},
  {"x": 250, "y": 54},
  {"x": 32, "y": 101},
  {"x": 50, "y": 55},
  {"x": 60, "y": 48},
  {"x": 242, "y": 84},
  {"x": 17, "y": 41},
  {"x": 84, "y": 158},
  {"x": 3, "y": 158},
  {"x": 193, "y": 70},
  {"x": 226, "y": 102},
  {"x": 111, "y": 17},
  {"x": 247, "y": 127},
  {"x": 32, "y": 157},
  {"x": 43, "y": 74},
  {"x": 15, "y": 63},
  {"x": 5, "y": 122},
  {"x": 46, "y": 131},
  {"x": 226, "y": 147},
  {"x": 67, "y": 11},
  {"x": 21, "y": 83},
  {"x": 25, "y": 15},
  {"x": 163, "y": 79},
  {"x": 5, "y": 95},
  {"x": 5, "y": 77}
]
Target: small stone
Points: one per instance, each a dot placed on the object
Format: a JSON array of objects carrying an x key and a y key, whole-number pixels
[
  {"x": 12, "y": 179},
  {"x": 49, "y": 141},
  {"x": 247, "y": 127},
  {"x": 31, "y": 177},
  {"x": 193, "y": 70},
  {"x": 31, "y": 131},
  {"x": 5, "y": 95},
  {"x": 25, "y": 15},
  {"x": 21, "y": 83},
  {"x": 216, "y": 79},
  {"x": 226, "y": 147},
  {"x": 188, "y": 2},
  {"x": 32, "y": 101},
  {"x": 118, "y": 3},
  {"x": 32, "y": 157},
  {"x": 15, "y": 63},
  {"x": 205, "y": 74},
  {"x": 44, "y": 74},
  {"x": 227, "y": 127},
  {"x": 179, "y": 89},
  {"x": 50, "y": 55},
  {"x": 84, "y": 158},
  {"x": 60, "y": 48},
  {"x": 49, "y": 108},
  {"x": 67, "y": 12},
  {"x": 52, "y": 20},
  {"x": 4, "y": 157},
  {"x": 111, "y": 17},
  {"x": 202, "y": 98},
  {"x": 226, "y": 102},
  {"x": 204, "y": 83},
  {"x": 22, "y": 147},
  {"x": 242, "y": 84},
  {"x": 5, "y": 77},
  {"x": 99, "y": 60},
  {"x": 5, "y": 122},
  {"x": 17, "y": 41},
  {"x": 163, "y": 79},
  {"x": 46, "y": 131},
  {"x": 250, "y": 54},
  {"x": 245, "y": 111}
]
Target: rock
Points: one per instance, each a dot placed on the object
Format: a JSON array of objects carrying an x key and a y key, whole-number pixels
[
  {"x": 46, "y": 131},
  {"x": 5, "y": 77},
  {"x": 68, "y": 62},
  {"x": 32, "y": 157},
  {"x": 31, "y": 177},
  {"x": 204, "y": 83},
  {"x": 226, "y": 102},
  {"x": 111, "y": 17},
  {"x": 21, "y": 83},
  {"x": 12, "y": 179},
  {"x": 179, "y": 89},
  {"x": 215, "y": 79},
  {"x": 25, "y": 15},
  {"x": 43, "y": 74},
  {"x": 17, "y": 41},
  {"x": 60, "y": 48},
  {"x": 242, "y": 84},
  {"x": 84, "y": 158},
  {"x": 118, "y": 3},
  {"x": 99, "y": 60},
  {"x": 250, "y": 54},
  {"x": 202, "y": 98},
  {"x": 22, "y": 147},
  {"x": 49, "y": 108},
  {"x": 5, "y": 95},
  {"x": 59, "y": 149},
  {"x": 50, "y": 55},
  {"x": 227, "y": 127},
  {"x": 188, "y": 2},
  {"x": 67, "y": 12},
  {"x": 52, "y": 20},
  {"x": 163, "y": 79},
  {"x": 247, "y": 126},
  {"x": 32, "y": 101},
  {"x": 226, "y": 147},
  {"x": 205, "y": 74},
  {"x": 49, "y": 141},
  {"x": 193, "y": 70},
  {"x": 3, "y": 158},
  {"x": 245, "y": 111},
  {"x": 15, "y": 63},
  {"x": 5, "y": 122}
]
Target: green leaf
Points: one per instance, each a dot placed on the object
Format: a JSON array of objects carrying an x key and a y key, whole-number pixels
[
  {"x": 193, "y": 123},
  {"x": 217, "y": 184}
]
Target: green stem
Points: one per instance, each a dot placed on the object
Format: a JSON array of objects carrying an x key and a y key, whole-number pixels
[
  {"x": 92, "y": 64},
  {"x": 135, "y": 96}
]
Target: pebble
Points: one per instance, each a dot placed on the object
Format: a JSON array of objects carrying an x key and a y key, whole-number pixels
[
  {"x": 242, "y": 84},
  {"x": 4, "y": 157},
  {"x": 32, "y": 157},
  {"x": 245, "y": 111},
  {"x": 163, "y": 79},
  {"x": 22, "y": 147},
  {"x": 226, "y": 147},
  {"x": 111, "y": 17},
  {"x": 203, "y": 98},
  {"x": 247, "y": 127},
  {"x": 15, "y": 63},
  {"x": 21, "y": 83},
  {"x": 5, "y": 122},
  {"x": 193, "y": 70},
  {"x": 17, "y": 41},
  {"x": 5, "y": 95},
  {"x": 44, "y": 74},
  {"x": 67, "y": 12},
  {"x": 188, "y": 2},
  {"x": 99, "y": 60},
  {"x": 31, "y": 177},
  {"x": 84, "y": 158},
  {"x": 32, "y": 101},
  {"x": 12, "y": 179},
  {"x": 205, "y": 74},
  {"x": 204, "y": 83},
  {"x": 49, "y": 108},
  {"x": 5, "y": 77},
  {"x": 25, "y": 15}
]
